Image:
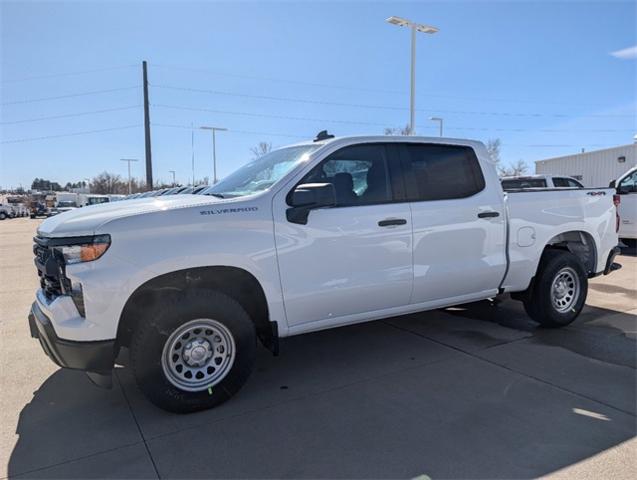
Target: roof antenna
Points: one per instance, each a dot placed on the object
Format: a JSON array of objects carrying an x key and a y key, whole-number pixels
[{"x": 323, "y": 135}]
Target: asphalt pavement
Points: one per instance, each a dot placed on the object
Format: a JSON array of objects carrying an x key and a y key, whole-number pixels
[{"x": 476, "y": 391}]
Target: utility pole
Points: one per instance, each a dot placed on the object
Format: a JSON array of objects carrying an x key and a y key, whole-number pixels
[
  {"x": 173, "y": 172},
  {"x": 214, "y": 149},
  {"x": 149, "y": 160},
  {"x": 128, "y": 160}
]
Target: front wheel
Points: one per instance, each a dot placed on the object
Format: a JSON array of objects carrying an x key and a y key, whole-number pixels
[
  {"x": 559, "y": 290},
  {"x": 193, "y": 350}
]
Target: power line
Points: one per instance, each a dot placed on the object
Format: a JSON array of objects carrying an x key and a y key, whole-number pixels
[
  {"x": 247, "y": 132},
  {"x": 68, "y": 74},
  {"x": 364, "y": 89},
  {"x": 354, "y": 122},
  {"x": 72, "y": 95},
  {"x": 68, "y": 115},
  {"x": 380, "y": 107},
  {"x": 282, "y": 80},
  {"x": 272, "y": 134},
  {"x": 73, "y": 134},
  {"x": 265, "y": 115}
]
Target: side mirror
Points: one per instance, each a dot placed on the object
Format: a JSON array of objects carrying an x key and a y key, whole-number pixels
[
  {"x": 307, "y": 197},
  {"x": 612, "y": 184}
]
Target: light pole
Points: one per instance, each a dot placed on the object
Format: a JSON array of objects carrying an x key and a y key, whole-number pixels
[
  {"x": 214, "y": 149},
  {"x": 129, "y": 160},
  {"x": 439, "y": 120},
  {"x": 88, "y": 185},
  {"x": 415, "y": 27},
  {"x": 173, "y": 172}
]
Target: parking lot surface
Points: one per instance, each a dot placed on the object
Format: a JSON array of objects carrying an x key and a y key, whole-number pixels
[{"x": 477, "y": 391}]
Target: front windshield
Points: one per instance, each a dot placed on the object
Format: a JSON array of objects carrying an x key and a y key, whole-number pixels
[{"x": 262, "y": 173}]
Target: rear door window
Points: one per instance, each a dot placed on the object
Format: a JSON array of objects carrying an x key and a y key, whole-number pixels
[{"x": 442, "y": 172}]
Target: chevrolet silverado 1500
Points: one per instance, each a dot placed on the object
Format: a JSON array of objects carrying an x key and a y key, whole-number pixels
[{"x": 312, "y": 236}]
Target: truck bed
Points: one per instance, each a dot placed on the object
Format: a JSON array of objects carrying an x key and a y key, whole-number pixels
[{"x": 536, "y": 216}]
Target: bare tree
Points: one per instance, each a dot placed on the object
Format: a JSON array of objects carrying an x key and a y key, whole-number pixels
[
  {"x": 493, "y": 147},
  {"x": 398, "y": 131},
  {"x": 261, "y": 149},
  {"x": 514, "y": 170},
  {"x": 107, "y": 182}
]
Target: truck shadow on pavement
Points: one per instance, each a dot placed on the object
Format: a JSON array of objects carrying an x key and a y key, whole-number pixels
[{"x": 473, "y": 391}]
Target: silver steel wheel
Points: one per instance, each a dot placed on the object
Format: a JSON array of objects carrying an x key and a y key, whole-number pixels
[
  {"x": 565, "y": 289},
  {"x": 198, "y": 355}
]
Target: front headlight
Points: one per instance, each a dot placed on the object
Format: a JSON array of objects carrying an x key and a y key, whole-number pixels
[{"x": 85, "y": 252}]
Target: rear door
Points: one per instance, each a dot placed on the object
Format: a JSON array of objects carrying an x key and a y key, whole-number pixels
[{"x": 458, "y": 223}]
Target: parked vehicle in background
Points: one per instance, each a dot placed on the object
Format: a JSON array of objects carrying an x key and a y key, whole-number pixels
[
  {"x": 199, "y": 189},
  {"x": 20, "y": 209},
  {"x": 116, "y": 197},
  {"x": 85, "y": 199},
  {"x": 308, "y": 237},
  {"x": 39, "y": 209},
  {"x": 626, "y": 187},
  {"x": 539, "y": 181},
  {"x": 6, "y": 211},
  {"x": 65, "y": 206}
]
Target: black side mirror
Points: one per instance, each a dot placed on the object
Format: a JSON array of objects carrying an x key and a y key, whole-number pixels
[
  {"x": 612, "y": 184},
  {"x": 309, "y": 196}
]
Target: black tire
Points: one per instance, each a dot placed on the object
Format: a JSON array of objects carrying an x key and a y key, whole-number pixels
[
  {"x": 3, "y": 215},
  {"x": 538, "y": 303},
  {"x": 162, "y": 320}
]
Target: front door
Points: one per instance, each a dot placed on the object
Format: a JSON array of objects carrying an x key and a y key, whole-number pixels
[{"x": 352, "y": 258}]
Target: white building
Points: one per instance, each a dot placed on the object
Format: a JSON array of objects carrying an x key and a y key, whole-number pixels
[{"x": 594, "y": 169}]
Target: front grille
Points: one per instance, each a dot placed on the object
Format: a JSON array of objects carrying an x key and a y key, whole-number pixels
[{"x": 49, "y": 270}]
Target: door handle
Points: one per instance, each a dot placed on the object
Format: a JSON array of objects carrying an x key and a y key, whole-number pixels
[
  {"x": 488, "y": 214},
  {"x": 392, "y": 221}
]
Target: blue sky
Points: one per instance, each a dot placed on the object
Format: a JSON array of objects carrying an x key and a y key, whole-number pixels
[{"x": 538, "y": 75}]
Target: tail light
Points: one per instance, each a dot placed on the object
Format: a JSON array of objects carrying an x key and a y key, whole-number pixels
[{"x": 616, "y": 201}]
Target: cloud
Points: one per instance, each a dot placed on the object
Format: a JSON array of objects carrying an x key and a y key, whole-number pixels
[{"x": 626, "y": 53}]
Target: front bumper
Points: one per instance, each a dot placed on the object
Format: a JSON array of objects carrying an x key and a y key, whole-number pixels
[{"x": 98, "y": 357}]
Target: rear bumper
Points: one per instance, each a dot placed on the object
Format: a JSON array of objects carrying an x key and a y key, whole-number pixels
[
  {"x": 98, "y": 357},
  {"x": 611, "y": 266}
]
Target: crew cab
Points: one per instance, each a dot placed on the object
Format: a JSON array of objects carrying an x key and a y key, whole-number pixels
[{"x": 316, "y": 235}]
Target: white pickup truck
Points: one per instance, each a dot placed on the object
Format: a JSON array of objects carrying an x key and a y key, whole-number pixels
[{"x": 312, "y": 236}]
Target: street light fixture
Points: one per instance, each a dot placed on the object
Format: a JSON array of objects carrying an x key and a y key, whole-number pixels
[
  {"x": 415, "y": 27},
  {"x": 129, "y": 160},
  {"x": 214, "y": 149},
  {"x": 439, "y": 120}
]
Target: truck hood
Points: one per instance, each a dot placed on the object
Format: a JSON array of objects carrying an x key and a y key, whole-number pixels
[{"x": 86, "y": 220}]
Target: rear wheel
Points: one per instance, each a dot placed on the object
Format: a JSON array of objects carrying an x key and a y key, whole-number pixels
[
  {"x": 559, "y": 290},
  {"x": 3, "y": 215},
  {"x": 193, "y": 350}
]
